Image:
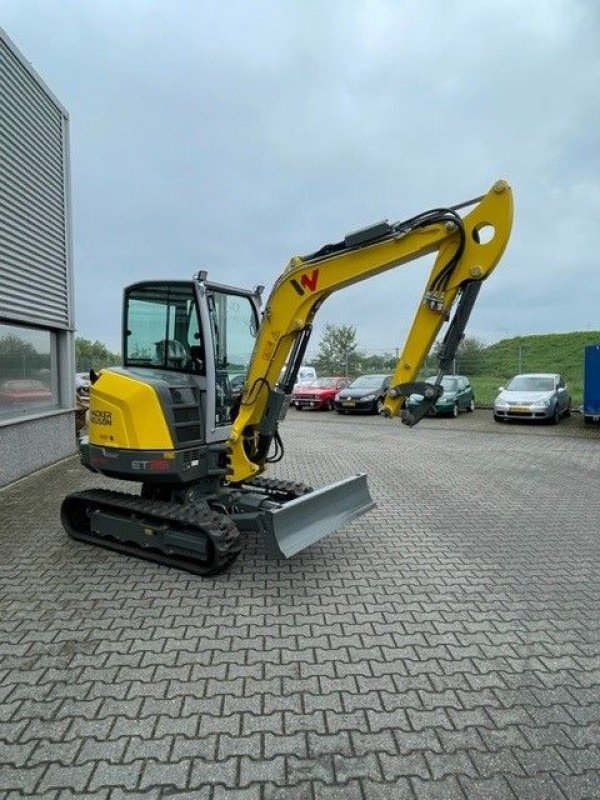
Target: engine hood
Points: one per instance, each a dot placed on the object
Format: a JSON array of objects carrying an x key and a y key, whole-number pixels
[
  {"x": 523, "y": 397},
  {"x": 355, "y": 394},
  {"x": 313, "y": 391},
  {"x": 446, "y": 397}
]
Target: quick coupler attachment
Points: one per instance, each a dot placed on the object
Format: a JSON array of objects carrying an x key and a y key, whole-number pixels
[{"x": 430, "y": 392}]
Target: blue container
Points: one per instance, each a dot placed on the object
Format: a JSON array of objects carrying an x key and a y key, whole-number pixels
[{"x": 591, "y": 383}]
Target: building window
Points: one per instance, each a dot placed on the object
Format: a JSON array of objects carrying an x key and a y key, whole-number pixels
[{"x": 28, "y": 372}]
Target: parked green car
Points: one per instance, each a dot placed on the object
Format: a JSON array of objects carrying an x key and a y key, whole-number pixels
[{"x": 458, "y": 396}]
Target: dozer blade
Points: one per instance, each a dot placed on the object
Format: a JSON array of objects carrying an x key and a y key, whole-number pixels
[{"x": 303, "y": 521}]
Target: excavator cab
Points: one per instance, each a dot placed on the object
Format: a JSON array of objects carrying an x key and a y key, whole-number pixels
[{"x": 197, "y": 330}]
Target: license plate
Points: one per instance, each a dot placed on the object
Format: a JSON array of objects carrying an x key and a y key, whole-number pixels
[
  {"x": 348, "y": 403},
  {"x": 520, "y": 410}
]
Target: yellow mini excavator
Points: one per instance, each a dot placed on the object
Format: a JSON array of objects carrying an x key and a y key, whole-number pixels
[{"x": 168, "y": 419}]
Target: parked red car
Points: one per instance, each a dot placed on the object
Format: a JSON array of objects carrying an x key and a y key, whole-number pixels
[
  {"x": 318, "y": 394},
  {"x": 22, "y": 391}
]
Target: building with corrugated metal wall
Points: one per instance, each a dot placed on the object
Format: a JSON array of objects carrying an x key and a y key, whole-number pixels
[{"x": 37, "y": 368}]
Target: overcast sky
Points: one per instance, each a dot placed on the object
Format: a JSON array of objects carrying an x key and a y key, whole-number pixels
[{"x": 231, "y": 137}]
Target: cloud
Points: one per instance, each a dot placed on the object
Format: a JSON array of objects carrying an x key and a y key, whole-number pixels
[{"x": 232, "y": 137}]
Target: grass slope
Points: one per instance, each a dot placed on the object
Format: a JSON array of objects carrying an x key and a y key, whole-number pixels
[{"x": 551, "y": 352}]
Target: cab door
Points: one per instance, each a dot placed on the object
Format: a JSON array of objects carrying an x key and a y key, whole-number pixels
[{"x": 231, "y": 317}]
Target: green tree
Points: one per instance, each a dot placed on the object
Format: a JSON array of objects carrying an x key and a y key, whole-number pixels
[
  {"x": 14, "y": 347},
  {"x": 470, "y": 356},
  {"x": 337, "y": 350},
  {"x": 20, "y": 359},
  {"x": 93, "y": 355},
  {"x": 378, "y": 363}
]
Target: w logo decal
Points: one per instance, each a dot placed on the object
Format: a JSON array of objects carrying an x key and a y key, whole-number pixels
[{"x": 306, "y": 282}]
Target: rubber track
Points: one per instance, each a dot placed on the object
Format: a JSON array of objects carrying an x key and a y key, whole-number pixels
[
  {"x": 219, "y": 528},
  {"x": 279, "y": 490}
]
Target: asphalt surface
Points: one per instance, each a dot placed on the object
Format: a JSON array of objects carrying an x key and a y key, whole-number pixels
[{"x": 446, "y": 645}]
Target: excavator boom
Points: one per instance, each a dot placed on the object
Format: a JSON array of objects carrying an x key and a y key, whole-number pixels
[{"x": 467, "y": 250}]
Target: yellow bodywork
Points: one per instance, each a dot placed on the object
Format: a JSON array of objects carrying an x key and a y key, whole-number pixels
[
  {"x": 289, "y": 310},
  {"x": 125, "y": 413}
]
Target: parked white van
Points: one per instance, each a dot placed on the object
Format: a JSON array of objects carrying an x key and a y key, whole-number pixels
[{"x": 306, "y": 375}]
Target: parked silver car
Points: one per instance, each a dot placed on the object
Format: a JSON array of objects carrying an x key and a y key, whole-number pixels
[
  {"x": 541, "y": 396},
  {"x": 82, "y": 379}
]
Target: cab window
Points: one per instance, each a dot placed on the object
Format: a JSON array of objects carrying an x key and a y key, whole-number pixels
[{"x": 162, "y": 328}]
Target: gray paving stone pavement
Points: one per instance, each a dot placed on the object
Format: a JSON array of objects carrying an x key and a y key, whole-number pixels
[{"x": 446, "y": 645}]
